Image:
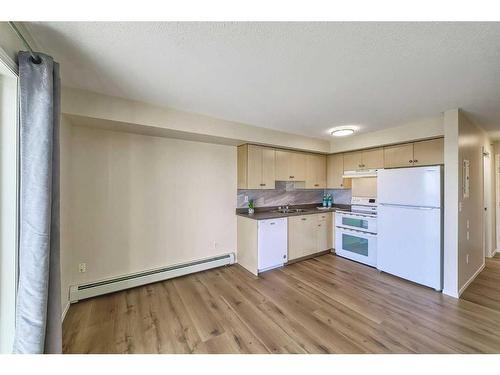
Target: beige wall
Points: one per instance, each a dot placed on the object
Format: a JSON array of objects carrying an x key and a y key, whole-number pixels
[
  {"x": 138, "y": 202},
  {"x": 364, "y": 187},
  {"x": 425, "y": 128},
  {"x": 146, "y": 118},
  {"x": 470, "y": 251},
  {"x": 10, "y": 44},
  {"x": 464, "y": 256}
]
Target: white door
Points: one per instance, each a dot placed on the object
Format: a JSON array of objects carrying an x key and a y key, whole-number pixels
[
  {"x": 272, "y": 243},
  {"x": 409, "y": 244},
  {"x": 497, "y": 199},
  {"x": 487, "y": 197},
  {"x": 417, "y": 186}
]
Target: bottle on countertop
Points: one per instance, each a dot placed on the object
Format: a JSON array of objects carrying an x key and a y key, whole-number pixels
[
  {"x": 330, "y": 200},
  {"x": 325, "y": 200}
]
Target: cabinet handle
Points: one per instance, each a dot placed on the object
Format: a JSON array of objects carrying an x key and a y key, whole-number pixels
[
  {"x": 303, "y": 219},
  {"x": 411, "y": 161},
  {"x": 415, "y": 161},
  {"x": 316, "y": 184},
  {"x": 292, "y": 176},
  {"x": 284, "y": 256},
  {"x": 262, "y": 184},
  {"x": 272, "y": 223}
]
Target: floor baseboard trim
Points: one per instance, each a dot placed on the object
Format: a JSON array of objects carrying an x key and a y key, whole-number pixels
[
  {"x": 462, "y": 289},
  {"x": 132, "y": 280}
]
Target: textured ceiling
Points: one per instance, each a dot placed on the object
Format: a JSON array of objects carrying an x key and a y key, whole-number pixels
[{"x": 303, "y": 78}]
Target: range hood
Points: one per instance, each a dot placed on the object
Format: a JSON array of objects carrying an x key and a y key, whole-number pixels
[{"x": 360, "y": 173}]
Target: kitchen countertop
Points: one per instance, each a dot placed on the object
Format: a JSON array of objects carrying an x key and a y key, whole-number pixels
[{"x": 262, "y": 213}]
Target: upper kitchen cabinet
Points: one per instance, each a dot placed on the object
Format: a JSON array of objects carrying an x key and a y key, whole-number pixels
[
  {"x": 290, "y": 166},
  {"x": 398, "y": 156},
  {"x": 352, "y": 161},
  {"x": 366, "y": 159},
  {"x": 335, "y": 171},
  {"x": 256, "y": 167},
  {"x": 373, "y": 158},
  {"x": 429, "y": 152},
  {"x": 315, "y": 171}
]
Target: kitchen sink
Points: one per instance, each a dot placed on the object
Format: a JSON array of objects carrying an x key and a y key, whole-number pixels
[{"x": 291, "y": 210}]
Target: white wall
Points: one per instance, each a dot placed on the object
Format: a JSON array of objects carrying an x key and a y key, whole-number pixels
[
  {"x": 451, "y": 196},
  {"x": 139, "y": 202}
]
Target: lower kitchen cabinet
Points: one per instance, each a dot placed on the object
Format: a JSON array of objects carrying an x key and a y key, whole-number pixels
[
  {"x": 324, "y": 235},
  {"x": 309, "y": 234}
]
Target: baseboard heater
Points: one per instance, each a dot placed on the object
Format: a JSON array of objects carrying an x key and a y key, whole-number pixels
[{"x": 79, "y": 292}]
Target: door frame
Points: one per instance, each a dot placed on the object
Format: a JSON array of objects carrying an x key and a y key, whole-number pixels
[{"x": 9, "y": 199}]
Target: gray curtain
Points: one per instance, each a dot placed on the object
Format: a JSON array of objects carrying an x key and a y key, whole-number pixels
[{"x": 38, "y": 314}]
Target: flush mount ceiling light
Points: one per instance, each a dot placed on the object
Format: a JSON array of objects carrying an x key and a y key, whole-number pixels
[{"x": 342, "y": 132}]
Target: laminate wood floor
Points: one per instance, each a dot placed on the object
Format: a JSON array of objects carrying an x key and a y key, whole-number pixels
[{"x": 321, "y": 305}]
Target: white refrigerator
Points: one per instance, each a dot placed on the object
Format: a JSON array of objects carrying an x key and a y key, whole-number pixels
[{"x": 410, "y": 224}]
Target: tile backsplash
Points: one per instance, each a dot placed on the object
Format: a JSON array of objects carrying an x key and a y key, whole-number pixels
[{"x": 286, "y": 193}]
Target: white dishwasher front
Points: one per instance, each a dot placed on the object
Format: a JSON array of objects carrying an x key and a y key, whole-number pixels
[{"x": 272, "y": 243}]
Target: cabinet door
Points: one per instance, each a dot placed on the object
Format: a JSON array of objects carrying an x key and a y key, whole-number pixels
[
  {"x": 297, "y": 166},
  {"x": 316, "y": 171},
  {"x": 268, "y": 168},
  {"x": 352, "y": 161},
  {"x": 335, "y": 171},
  {"x": 323, "y": 232},
  {"x": 254, "y": 167},
  {"x": 331, "y": 244},
  {"x": 282, "y": 162},
  {"x": 290, "y": 166},
  {"x": 372, "y": 159},
  {"x": 242, "y": 166},
  {"x": 301, "y": 236},
  {"x": 398, "y": 156},
  {"x": 260, "y": 167},
  {"x": 429, "y": 152}
]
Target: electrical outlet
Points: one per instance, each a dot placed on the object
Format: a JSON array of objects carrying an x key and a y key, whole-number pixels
[
  {"x": 468, "y": 224},
  {"x": 82, "y": 267},
  {"x": 245, "y": 200},
  {"x": 467, "y": 259},
  {"x": 468, "y": 235}
]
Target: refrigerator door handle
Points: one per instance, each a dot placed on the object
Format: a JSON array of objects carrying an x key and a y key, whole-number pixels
[{"x": 409, "y": 207}]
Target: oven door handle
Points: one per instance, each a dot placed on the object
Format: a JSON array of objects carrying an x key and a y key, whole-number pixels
[
  {"x": 355, "y": 216},
  {"x": 357, "y": 231}
]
